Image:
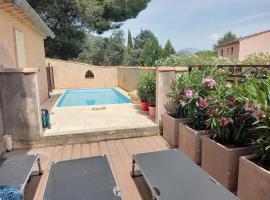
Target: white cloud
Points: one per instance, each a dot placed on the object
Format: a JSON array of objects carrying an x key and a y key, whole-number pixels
[
  {"x": 214, "y": 36},
  {"x": 250, "y": 18}
]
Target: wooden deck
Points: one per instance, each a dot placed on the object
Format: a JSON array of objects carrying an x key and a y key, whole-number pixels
[{"x": 119, "y": 153}]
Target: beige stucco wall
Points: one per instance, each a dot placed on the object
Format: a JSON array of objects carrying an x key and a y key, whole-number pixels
[
  {"x": 257, "y": 44},
  {"x": 72, "y": 75},
  {"x": 229, "y": 51},
  {"x": 128, "y": 77},
  {"x": 34, "y": 48}
]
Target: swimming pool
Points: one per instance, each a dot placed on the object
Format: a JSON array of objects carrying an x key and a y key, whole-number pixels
[{"x": 86, "y": 97}]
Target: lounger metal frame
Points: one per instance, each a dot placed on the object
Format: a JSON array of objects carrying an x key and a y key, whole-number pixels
[
  {"x": 32, "y": 173},
  {"x": 138, "y": 173}
]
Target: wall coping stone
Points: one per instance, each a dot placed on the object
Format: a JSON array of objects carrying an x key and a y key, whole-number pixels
[{"x": 19, "y": 70}]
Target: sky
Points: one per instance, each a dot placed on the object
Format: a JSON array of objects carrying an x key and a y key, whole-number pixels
[{"x": 199, "y": 23}]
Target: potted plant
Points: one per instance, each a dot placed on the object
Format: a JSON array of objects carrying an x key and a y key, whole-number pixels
[
  {"x": 232, "y": 118},
  {"x": 195, "y": 101},
  {"x": 151, "y": 94},
  {"x": 142, "y": 92},
  {"x": 172, "y": 120},
  {"x": 254, "y": 171}
]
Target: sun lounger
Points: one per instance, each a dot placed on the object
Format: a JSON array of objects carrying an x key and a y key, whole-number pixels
[
  {"x": 81, "y": 179},
  {"x": 17, "y": 170},
  {"x": 172, "y": 176}
]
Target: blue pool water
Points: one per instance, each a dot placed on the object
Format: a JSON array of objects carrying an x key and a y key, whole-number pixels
[{"x": 85, "y": 97}]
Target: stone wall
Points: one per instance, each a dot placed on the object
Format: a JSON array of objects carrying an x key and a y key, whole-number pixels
[
  {"x": 128, "y": 77},
  {"x": 71, "y": 75},
  {"x": 20, "y": 105}
]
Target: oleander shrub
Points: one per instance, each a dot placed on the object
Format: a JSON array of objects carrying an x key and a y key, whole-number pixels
[{"x": 187, "y": 59}]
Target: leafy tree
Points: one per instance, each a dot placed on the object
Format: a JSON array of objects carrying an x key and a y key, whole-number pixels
[
  {"x": 128, "y": 60},
  {"x": 228, "y": 37},
  {"x": 206, "y": 53},
  {"x": 150, "y": 53},
  {"x": 130, "y": 43},
  {"x": 114, "y": 49},
  {"x": 104, "y": 51},
  {"x": 71, "y": 19},
  {"x": 139, "y": 41},
  {"x": 168, "y": 49},
  {"x": 88, "y": 50}
]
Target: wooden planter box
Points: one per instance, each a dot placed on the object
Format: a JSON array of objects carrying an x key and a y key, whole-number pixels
[
  {"x": 253, "y": 180},
  {"x": 190, "y": 141},
  {"x": 221, "y": 162},
  {"x": 171, "y": 128}
]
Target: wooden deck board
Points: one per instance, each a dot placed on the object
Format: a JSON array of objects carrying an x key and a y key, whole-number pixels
[{"x": 119, "y": 153}]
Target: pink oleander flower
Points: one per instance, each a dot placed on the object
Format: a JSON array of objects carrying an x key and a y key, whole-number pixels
[
  {"x": 255, "y": 109},
  {"x": 248, "y": 106},
  {"x": 189, "y": 93},
  {"x": 223, "y": 121},
  {"x": 257, "y": 113},
  {"x": 183, "y": 104},
  {"x": 209, "y": 82},
  {"x": 203, "y": 102},
  {"x": 179, "y": 96}
]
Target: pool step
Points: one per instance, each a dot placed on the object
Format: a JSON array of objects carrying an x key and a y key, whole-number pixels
[{"x": 73, "y": 137}]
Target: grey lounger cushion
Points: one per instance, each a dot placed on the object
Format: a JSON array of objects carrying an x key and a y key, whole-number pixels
[
  {"x": 81, "y": 179},
  {"x": 16, "y": 170},
  {"x": 176, "y": 177}
]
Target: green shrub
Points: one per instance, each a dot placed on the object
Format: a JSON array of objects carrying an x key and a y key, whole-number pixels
[
  {"x": 151, "y": 90},
  {"x": 146, "y": 87},
  {"x": 258, "y": 58}
]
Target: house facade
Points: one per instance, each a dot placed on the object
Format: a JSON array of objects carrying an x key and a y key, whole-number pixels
[
  {"x": 240, "y": 48},
  {"x": 22, "y": 35}
]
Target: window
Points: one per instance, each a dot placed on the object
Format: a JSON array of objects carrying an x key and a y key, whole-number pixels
[
  {"x": 20, "y": 49},
  {"x": 232, "y": 50},
  {"x": 228, "y": 51},
  {"x": 221, "y": 52},
  {"x": 89, "y": 74}
]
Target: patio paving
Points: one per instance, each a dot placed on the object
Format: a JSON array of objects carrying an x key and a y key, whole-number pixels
[
  {"x": 78, "y": 119},
  {"x": 119, "y": 153}
]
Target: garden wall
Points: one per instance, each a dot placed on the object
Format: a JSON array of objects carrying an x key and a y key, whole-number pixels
[
  {"x": 69, "y": 74},
  {"x": 72, "y": 75},
  {"x": 128, "y": 77}
]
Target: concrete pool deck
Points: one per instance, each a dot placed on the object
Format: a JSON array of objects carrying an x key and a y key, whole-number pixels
[{"x": 99, "y": 118}]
